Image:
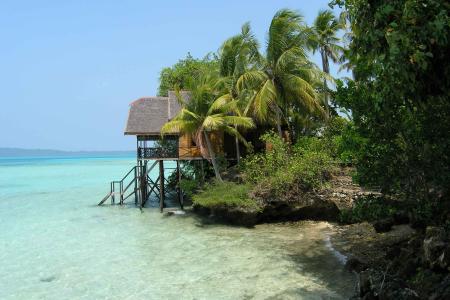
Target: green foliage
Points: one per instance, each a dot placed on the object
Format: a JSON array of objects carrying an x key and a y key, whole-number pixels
[
  {"x": 204, "y": 115},
  {"x": 184, "y": 71},
  {"x": 285, "y": 84},
  {"x": 432, "y": 212},
  {"x": 400, "y": 98},
  {"x": 369, "y": 208},
  {"x": 225, "y": 194},
  {"x": 189, "y": 186},
  {"x": 282, "y": 167}
]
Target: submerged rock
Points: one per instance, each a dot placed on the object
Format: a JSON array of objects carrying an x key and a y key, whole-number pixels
[{"x": 48, "y": 278}]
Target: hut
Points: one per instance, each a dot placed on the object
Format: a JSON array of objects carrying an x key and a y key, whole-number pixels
[{"x": 146, "y": 117}]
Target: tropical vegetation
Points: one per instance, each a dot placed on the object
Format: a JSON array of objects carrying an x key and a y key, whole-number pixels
[
  {"x": 387, "y": 120},
  {"x": 390, "y": 120}
]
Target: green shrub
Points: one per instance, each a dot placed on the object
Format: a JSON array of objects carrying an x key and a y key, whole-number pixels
[
  {"x": 228, "y": 194},
  {"x": 307, "y": 164},
  {"x": 189, "y": 186}
]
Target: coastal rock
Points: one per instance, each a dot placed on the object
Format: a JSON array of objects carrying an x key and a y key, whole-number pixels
[
  {"x": 442, "y": 292},
  {"x": 393, "y": 290},
  {"x": 232, "y": 215},
  {"x": 236, "y": 215},
  {"x": 374, "y": 284},
  {"x": 436, "y": 248},
  {"x": 308, "y": 207},
  {"x": 401, "y": 217},
  {"x": 355, "y": 264},
  {"x": 383, "y": 225}
]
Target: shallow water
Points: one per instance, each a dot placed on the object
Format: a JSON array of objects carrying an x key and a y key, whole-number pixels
[{"x": 56, "y": 244}]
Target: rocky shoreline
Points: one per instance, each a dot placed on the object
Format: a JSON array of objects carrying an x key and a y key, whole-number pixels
[
  {"x": 321, "y": 205},
  {"x": 403, "y": 263},
  {"x": 392, "y": 259}
]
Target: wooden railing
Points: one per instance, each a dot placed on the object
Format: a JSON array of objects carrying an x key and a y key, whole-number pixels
[
  {"x": 160, "y": 152},
  {"x": 117, "y": 186}
]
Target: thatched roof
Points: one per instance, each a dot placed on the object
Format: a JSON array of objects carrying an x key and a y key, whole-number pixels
[{"x": 147, "y": 115}]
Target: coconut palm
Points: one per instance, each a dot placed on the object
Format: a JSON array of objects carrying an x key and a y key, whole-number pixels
[
  {"x": 201, "y": 117},
  {"x": 285, "y": 83},
  {"x": 325, "y": 40},
  {"x": 237, "y": 55}
]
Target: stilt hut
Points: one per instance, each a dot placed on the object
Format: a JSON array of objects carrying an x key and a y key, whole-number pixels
[{"x": 145, "y": 119}]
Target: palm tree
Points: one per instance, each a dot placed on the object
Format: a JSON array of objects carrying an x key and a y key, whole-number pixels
[
  {"x": 325, "y": 40},
  {"x": 285, "y": 83},
  {"x": 237, "y": 55},
  {"x": 200, "y": 117}
]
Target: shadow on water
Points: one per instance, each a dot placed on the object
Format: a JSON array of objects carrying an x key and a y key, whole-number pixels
[{"x": 318, "y": 262}]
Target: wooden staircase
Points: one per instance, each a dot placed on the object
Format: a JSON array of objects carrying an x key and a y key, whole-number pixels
[{"x": 139, "y": 183}]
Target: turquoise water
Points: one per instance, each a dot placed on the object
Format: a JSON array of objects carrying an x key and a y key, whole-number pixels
[{"x": 55, "y": 243}]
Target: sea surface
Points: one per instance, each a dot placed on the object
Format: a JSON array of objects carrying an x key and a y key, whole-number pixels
[{"x": 55, "y": 243}]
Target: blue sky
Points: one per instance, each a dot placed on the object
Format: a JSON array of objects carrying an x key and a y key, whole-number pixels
[{"x": 69, "y": 69}]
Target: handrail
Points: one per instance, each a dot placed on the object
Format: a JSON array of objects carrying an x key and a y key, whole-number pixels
[
  {"x": 125, "y": 198},
  {"x": 104, "y": 199},
  {"x": 139, "y": 173},
  {"x": 128, "y": 173},
  {"x": 125, "y": 189}
]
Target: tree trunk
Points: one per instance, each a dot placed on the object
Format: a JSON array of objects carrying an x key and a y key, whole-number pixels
[
  {"x": 280, "y": 133},
  {"x": 213, "y": 157},
  {"x": 326, "y": 69},
  {"x": 238, "y": 151}
]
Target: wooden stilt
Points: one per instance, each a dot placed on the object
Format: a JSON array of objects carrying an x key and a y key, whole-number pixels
[
  {"x": 143, "y": 185},
  {"x": 203, "y": 172},
  {"x": 113, "y": 200},
  {"x": 161, "y": 185},
  {"x": 121, "y": 192},
  {"x": 135, "y": 187},
  {"x": 180, "y": 192}
]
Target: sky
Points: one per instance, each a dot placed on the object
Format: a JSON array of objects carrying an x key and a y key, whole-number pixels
[{"x": 69, "y": 69}]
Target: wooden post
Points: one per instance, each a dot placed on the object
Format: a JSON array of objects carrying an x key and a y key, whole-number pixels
[
  {"x": 140, "y": 184},
  {"x": 121, "y": 192},
  {"x": 135, "y": 186},
  {"x": 203, "y": 172},
  {"x": 161, "y": 185},
  {"x": 144, "y": 183},
  {"x": 112, "y": 192},
  {"x": 180, "y": 192}
]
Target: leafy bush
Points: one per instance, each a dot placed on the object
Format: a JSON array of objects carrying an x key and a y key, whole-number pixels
[
  {"x": 306, "y": 164},
  {"x": 189, "y": 186},
  {"x": 229, "y": 194}
]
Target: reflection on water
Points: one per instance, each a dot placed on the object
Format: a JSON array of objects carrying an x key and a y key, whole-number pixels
[{"x": 55, "y": 244}]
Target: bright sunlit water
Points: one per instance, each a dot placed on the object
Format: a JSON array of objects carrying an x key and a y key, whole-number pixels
[{"x": 55, "y": 243}]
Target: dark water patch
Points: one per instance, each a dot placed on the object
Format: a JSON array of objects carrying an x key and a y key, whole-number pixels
[{"x": 48, "y": 278}]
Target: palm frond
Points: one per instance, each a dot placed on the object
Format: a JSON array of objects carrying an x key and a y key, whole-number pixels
[
  {"x": 213, "y": 122},
  {"x": 243, "y": 122},
  {"x": 181, "y": 126},
  {"x": 264, "y": 100},
  {"x": 251, "y": 80}
]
